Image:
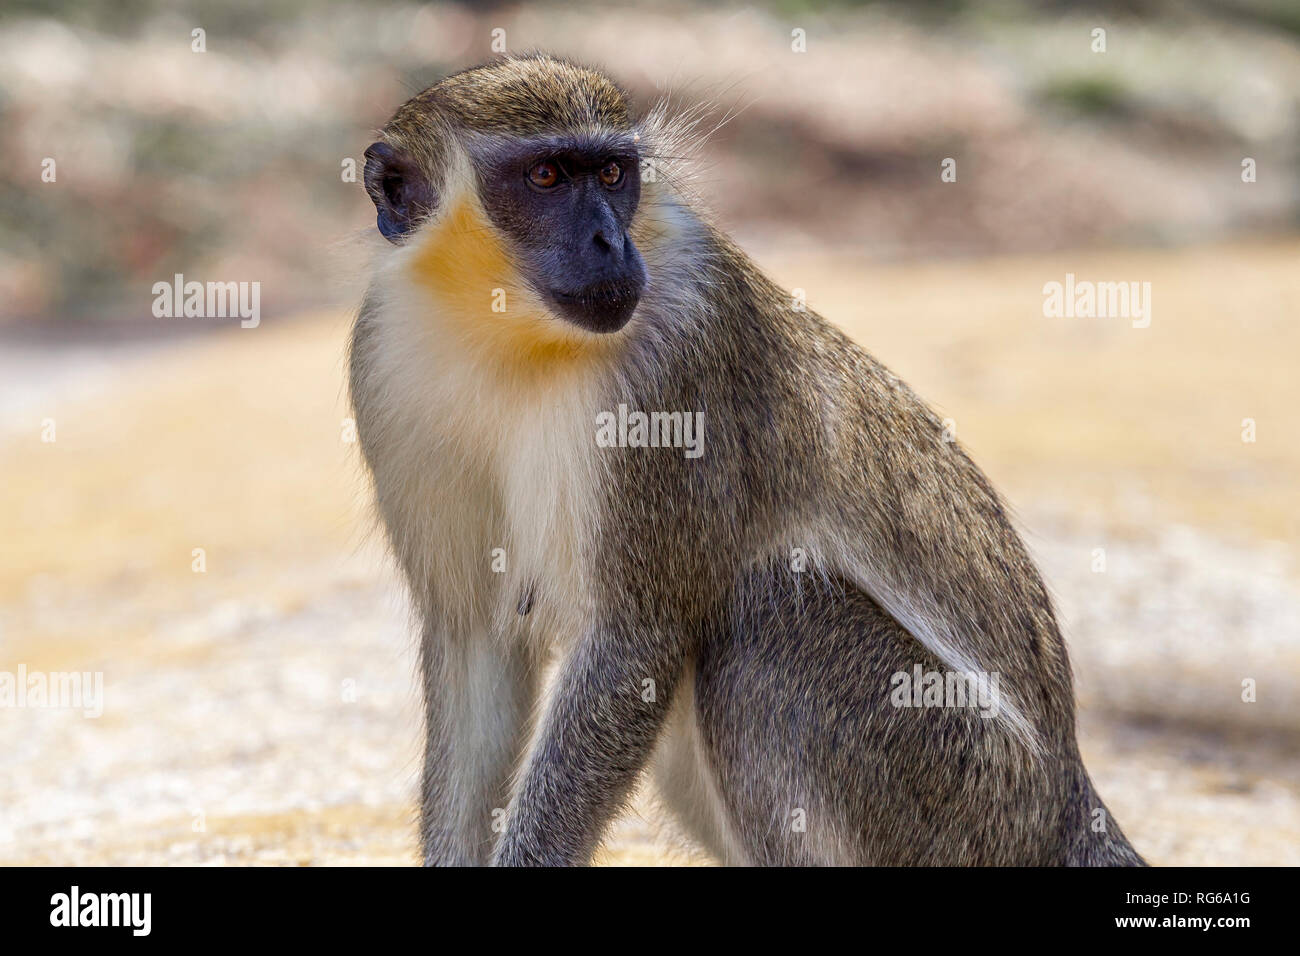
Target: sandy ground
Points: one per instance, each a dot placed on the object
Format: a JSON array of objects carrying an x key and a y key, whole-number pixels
[{"x": 263, "y": 710}]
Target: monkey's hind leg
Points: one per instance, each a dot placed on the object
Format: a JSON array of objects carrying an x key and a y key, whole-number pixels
[{"x": 815, "y": 763}]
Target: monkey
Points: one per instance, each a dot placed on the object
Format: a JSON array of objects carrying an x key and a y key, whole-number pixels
[{"x": 735, "y": 624}]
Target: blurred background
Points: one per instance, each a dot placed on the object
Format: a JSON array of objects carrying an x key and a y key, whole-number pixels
[{"x": 181, "y": 504}]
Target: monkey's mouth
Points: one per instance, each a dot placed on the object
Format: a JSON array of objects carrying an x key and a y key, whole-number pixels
[{"x": 600, "y": 307}]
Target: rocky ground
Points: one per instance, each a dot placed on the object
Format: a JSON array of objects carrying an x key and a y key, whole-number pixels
[{"x": 263, "y": 710}]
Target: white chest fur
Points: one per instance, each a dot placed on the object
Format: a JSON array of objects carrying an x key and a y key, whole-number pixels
[{"x": 494, "y": 470}]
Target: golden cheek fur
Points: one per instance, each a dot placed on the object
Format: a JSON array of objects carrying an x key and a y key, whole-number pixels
[{"x": 463, "y": 263}]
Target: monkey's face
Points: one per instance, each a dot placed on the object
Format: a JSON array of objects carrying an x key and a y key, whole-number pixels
[{"x": 561, "y": 206}]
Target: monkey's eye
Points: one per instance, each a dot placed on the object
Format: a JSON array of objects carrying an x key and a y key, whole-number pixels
[
  {"x": 611, "y": 174},
  {"x": 544, "y": 174}
]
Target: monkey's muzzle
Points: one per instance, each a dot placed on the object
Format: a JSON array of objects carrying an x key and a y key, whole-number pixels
[{"x": 602, "y": 306}]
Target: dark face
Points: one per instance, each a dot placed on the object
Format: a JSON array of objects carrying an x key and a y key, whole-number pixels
[{"x": 567, "y": 203}]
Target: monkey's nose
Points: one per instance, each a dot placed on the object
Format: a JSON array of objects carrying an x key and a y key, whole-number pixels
[{"x": 605, "y": 245}]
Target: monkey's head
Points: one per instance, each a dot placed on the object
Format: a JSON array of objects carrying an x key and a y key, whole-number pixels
[{"x": 517, "y": 181}]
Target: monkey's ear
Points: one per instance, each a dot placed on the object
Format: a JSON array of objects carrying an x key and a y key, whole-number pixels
[{"x": 399, "y": 189}]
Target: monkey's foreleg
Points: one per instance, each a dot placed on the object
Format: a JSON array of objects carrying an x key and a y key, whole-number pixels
[
  {"x": 610, "y": 702},
  {"x": 478, "y": 693}
]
